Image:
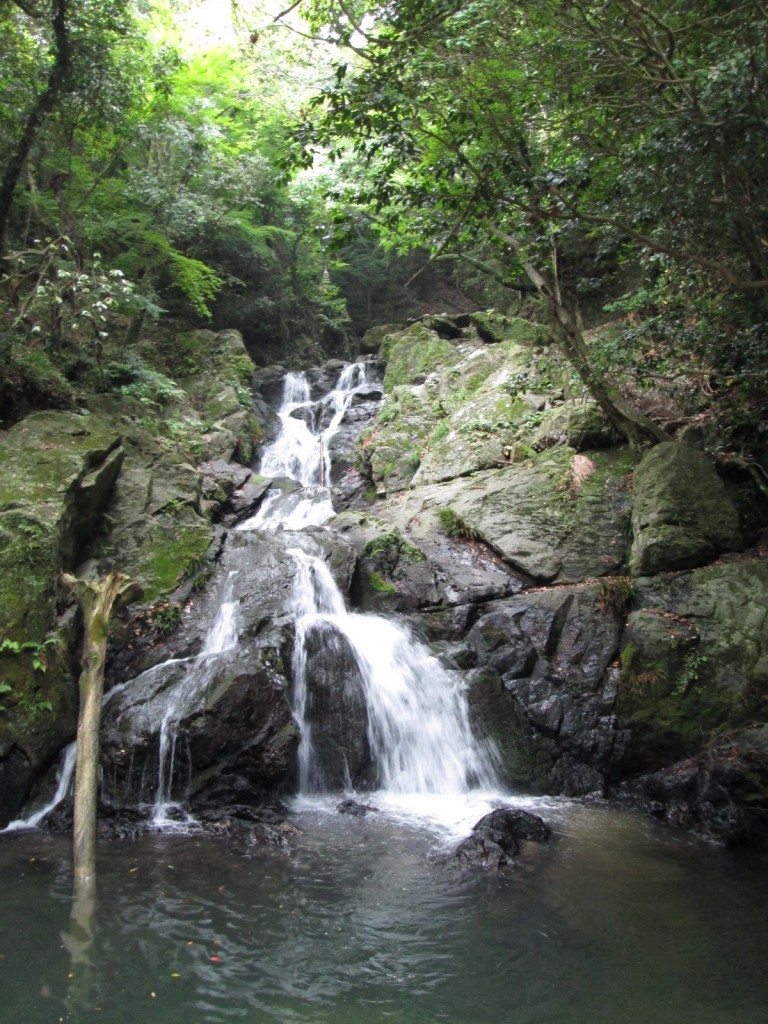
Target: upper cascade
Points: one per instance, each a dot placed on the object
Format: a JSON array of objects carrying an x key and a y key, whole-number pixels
[{"x": 301, "y": 450}]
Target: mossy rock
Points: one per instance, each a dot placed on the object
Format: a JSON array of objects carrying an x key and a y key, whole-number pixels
[
  {"x": 495, "y": 328},
  {"x": 57, "y": 471},
  {"x": 373, "y": 339},
  {"x": 533, "y": 515},
  {"x": 390, "y": 574},
  {"x": 39, "y": 718},
  {"x": 162, "y": 551},
  {"x": 497, "y": 717},
  {"x": 682, "y": 516},
  {"x": 415, "y": 353},
  {"x": 694, "y": 660},
  {"x": 578, "y": 423}
]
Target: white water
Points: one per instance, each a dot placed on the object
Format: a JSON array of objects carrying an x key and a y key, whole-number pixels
[
  {"x": 428, "y": 763},
  {"x": 221, "y": 637},
  {"x": 64, "y": 777},
  {"x": 301, "y": 452}
]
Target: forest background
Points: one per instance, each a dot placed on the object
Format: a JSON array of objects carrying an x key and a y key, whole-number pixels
[{"x": 301, "y": 172}]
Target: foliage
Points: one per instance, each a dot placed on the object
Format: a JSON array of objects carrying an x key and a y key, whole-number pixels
[
  {"x": 455, "y": 526},
  {"x": 26, "y": 702},
  {"x": 601, "y": 147},
  {"x": 615, "y": 594},
  {"x": 146, "y": 184}
]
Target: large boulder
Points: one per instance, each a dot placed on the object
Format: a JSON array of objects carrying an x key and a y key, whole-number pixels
[
  {"x": 543, "y": 689},
  {"x": 694, "y": 660},
  {"x": 226, "y": 698},
  {"x": 682, "y": 516}
]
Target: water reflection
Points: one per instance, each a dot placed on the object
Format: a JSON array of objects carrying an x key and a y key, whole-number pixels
[{"x": 618, "y": 921}]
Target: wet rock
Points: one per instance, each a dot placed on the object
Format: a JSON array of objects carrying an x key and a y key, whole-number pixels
[
  {"x": 354, "y": 808},
  {"x": 722, "y": 794},
  {"x": 542, "y": 689},
  {"x": 337, "y": 710},
  {"x": 496, "y": 838},
  {"x": 513, "y": 824}
]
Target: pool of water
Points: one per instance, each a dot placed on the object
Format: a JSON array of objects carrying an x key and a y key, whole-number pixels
[{"x": 362, "y": 921}]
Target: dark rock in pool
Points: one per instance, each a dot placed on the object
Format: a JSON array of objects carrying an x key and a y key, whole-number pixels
[
  {"x": 496, "y": 838},
  {"x": 515, "y": 824},
  {"x": 354, "y": 808}
]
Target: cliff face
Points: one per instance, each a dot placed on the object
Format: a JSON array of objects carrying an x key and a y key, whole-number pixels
[
  {"x": 121, "y": 483},
  {"x": 608, "y": 607}
]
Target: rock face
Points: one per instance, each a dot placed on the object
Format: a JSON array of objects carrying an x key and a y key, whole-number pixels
[
  {"x": 604, "y": 648},
  {"x": 120, "y": 484},
  {"x": 226, "y": 711}
]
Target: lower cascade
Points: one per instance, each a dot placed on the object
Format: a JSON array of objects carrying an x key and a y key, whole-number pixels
[{"x": 419, "y": 748}]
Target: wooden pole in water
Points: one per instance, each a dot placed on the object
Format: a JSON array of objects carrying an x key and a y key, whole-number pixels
[{"x": 96, "y": 600}]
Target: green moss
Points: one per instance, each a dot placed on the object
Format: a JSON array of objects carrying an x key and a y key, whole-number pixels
[
  {"x": 380, "y": 585},
  {"x": 168, "y": 552},
  {"x": 454, "y": 526},
  {"x": 391, "y": 548},
  {"x": 415, "y": 352}
]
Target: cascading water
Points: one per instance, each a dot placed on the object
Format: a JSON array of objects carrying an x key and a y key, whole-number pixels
[
  {"x": 64, "y": 777},
  {"x": 424, "y": 757},
  {"x": 301, "y": 451},
  {"x": 221, "y": 637}
]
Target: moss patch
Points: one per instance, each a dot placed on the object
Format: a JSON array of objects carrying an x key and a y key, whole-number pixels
[{"x": 415, "y": 352}]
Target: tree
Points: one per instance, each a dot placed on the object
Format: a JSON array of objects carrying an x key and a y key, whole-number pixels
[
  {"x": 96, "y": 600},
  {"x": 559, "y": 130}
]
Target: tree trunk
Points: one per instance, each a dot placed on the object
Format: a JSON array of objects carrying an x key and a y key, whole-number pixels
[
  {"x": 96, "y": 601},
  {"x": 45, "y": 103},
  {"x": 629, "y": 422}
]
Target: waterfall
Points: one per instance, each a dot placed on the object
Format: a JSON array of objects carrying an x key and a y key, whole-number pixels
[
  {"x": 301, "y": 452},
  {"x": 419, "y": 751},
  {"x": 221, "y": 637},
  {"x": 64, "y": 778},
  {"x": 418, "y": 729}
]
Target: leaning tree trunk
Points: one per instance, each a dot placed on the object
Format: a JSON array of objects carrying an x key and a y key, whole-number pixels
[
  {"x": 629, "y": 422},
  {"x": 96, "y": 600}
]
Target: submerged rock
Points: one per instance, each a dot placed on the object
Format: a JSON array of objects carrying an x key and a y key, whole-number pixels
[{"x": 354, "y": 808}]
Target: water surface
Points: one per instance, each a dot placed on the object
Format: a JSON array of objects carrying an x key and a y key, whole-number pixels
[{"x": 617, "y": 921}]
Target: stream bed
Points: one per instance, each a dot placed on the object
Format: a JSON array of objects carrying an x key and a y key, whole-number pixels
[{"x": 616, "y": 921}]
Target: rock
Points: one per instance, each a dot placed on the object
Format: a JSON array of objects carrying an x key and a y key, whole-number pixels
[
  {"x": 530, "y": 517},
  {"x": 337, "y": 713},
  {"x": 354, "y": 808},
  {"x": 236, "y": 737},
  {"x": 495, "y": 839},
  {"x": 694, "y": 660},
  {"x": 722, "y": 794},
  {"x": 371, "y": 341},
  {"x": 57, "y": 473},
  {"x": 682, "y": 516},
  {"x": 495, "y": 328},
  {"x": 414, "y": 353},
  {"x": 542, "y": 688},
  {"x": 513, "y": 825},
  {"x": 577, "y": 423}
]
